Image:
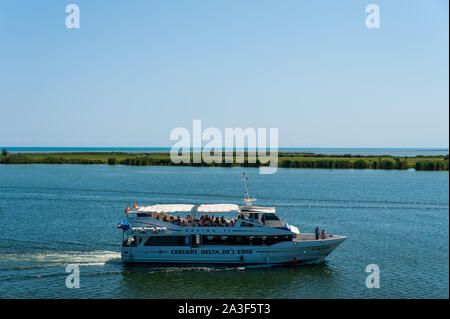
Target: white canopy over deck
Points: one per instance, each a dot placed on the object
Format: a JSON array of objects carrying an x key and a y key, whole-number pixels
[
  {"x": 204, "y": 208},
  {"x": 167, "y": 208},
  {"x": 218, "y": 208}
]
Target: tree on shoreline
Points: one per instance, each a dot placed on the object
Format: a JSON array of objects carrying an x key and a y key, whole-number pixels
[{"x": 4, "y": 152}]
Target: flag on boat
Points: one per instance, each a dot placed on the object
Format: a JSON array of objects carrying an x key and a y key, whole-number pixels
[
  {"x": 134, "y": 204},
  {"x": 127, "y": 210}
]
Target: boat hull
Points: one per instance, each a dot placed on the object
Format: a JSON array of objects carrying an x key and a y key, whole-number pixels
[{"x": 297, "y": 251}]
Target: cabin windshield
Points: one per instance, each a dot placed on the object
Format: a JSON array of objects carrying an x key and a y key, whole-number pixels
[{"x": 270, "y": 217}]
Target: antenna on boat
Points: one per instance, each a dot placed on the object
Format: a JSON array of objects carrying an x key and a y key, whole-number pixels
[{"x": 248, "y": 201}]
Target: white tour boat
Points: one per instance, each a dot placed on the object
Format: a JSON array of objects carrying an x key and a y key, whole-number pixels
[{"x": 253, "y": 235}]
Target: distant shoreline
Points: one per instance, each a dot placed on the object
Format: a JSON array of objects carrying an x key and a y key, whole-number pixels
[
  {"x": 292, "y": 150},
  {"x": 285, "y": 160}
]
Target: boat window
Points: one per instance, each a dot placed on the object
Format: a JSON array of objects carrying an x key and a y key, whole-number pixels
[
  {"x": 245, "y": 224},
  {"x": 195, "y": 240},
  {"x": 225, "y": 240},
  {"x": 144, "y": 215},
  {"x": 270, "y": 217},
  {"x": 166, "y": 241},
  {"x": 130, "y": 242},
  {"x": 244, "y": 240}
]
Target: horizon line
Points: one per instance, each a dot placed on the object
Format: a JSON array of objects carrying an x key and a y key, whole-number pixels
[{"x": 282, "y": 147}]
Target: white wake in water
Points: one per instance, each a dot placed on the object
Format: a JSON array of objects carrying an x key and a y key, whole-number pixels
[{"x": 82, "y": 258}]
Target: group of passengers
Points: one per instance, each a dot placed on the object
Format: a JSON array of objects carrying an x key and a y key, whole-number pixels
[
  {"x": 203, "y": 221},
  {"x": 320, "y": 235}
]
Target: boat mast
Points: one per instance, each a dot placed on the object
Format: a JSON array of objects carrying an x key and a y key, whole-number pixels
[{"x": 248, "y": 201}]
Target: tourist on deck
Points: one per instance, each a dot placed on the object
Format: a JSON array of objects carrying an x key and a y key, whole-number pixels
[
  {"x": 317, "y": 233},
  {"x": 324, "y": 234},
  {"x": 178, "y": 221}
]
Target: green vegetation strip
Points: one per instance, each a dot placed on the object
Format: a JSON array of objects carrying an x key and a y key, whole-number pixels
[{"x": 285, "y": 160}]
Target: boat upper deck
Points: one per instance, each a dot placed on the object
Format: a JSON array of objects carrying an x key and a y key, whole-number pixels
[
  {"x": 204, "y": 215},
  {"x": 204, "y": 220}
]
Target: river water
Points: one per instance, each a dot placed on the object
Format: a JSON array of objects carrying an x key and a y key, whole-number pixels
[{"x": 55, "y": 215}]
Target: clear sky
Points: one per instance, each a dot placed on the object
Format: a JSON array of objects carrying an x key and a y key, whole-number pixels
[{"x": 137, "y": 69}]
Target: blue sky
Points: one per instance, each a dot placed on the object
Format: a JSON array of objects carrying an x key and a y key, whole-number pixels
[{"x": 137, "y": 69}]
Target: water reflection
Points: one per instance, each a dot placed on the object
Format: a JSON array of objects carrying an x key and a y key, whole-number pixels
[{"x": 145, "y": 281}]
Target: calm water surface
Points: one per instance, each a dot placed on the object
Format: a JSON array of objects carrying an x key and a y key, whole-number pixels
[{"x": 54, "y": 215}]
